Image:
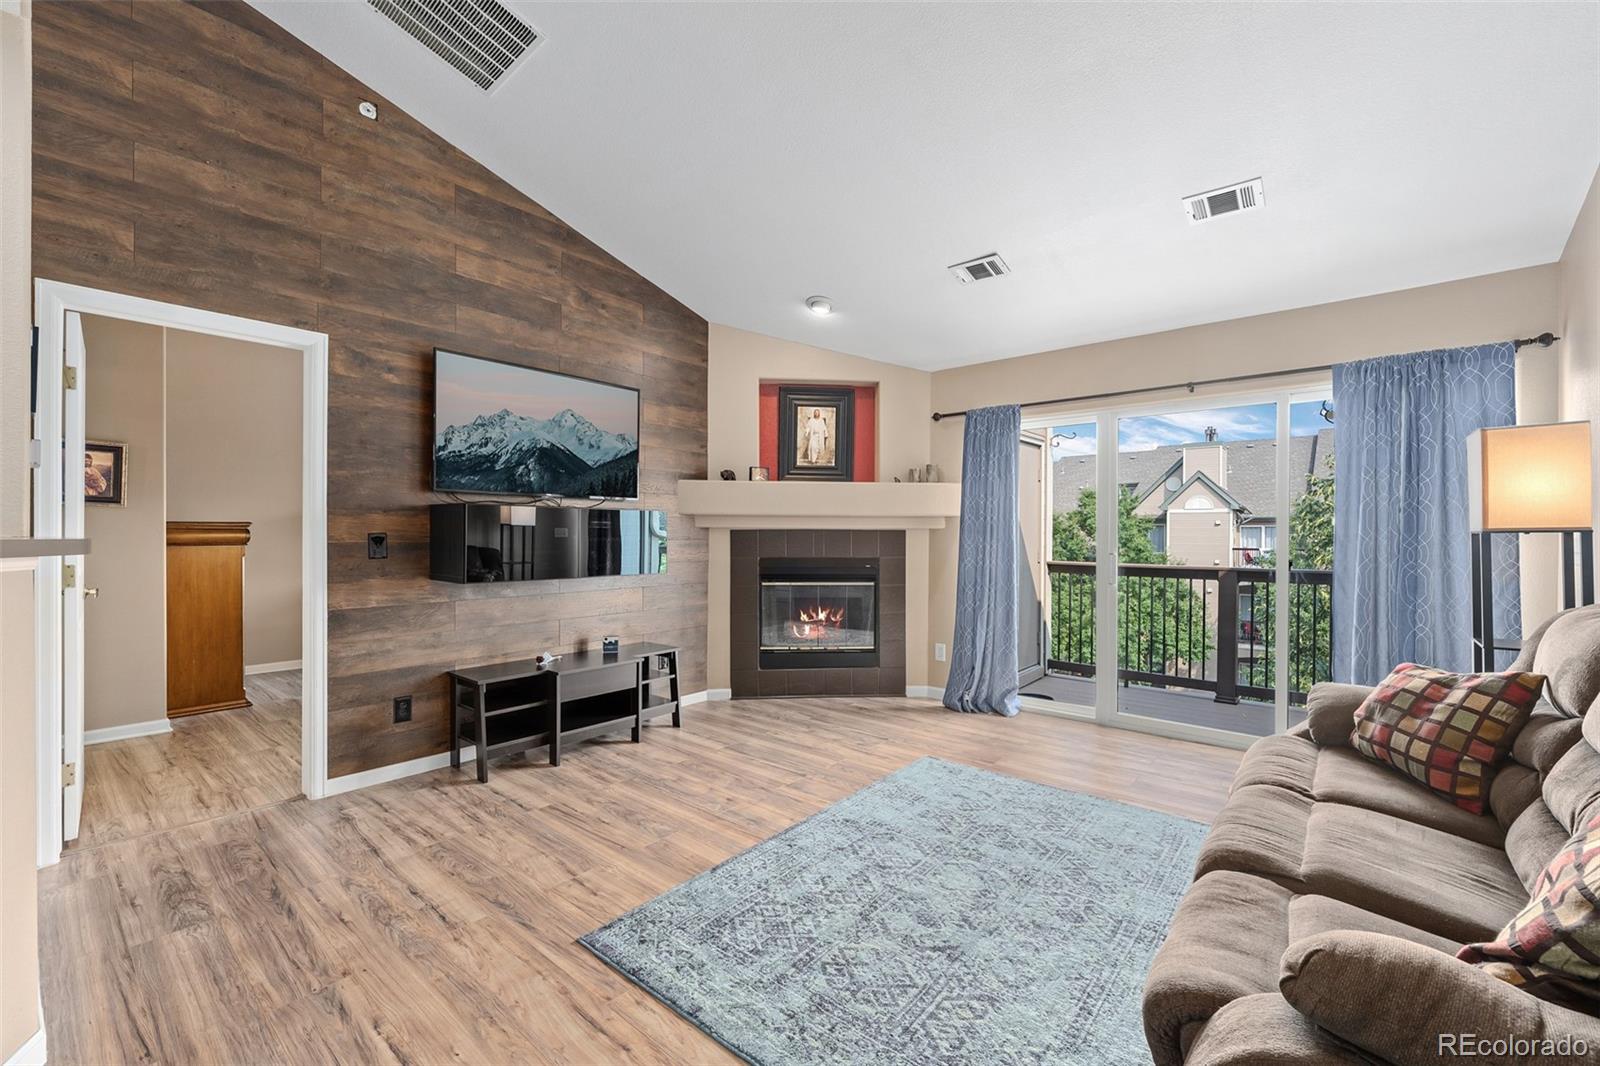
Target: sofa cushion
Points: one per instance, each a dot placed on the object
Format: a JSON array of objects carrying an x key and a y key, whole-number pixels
[
  {"x": 1288, "y": 762},
  {"x": 1260, "y": 830},
  {"x": 1223, "y": 943},
  {"x": 1345, "y": 776},
  {"x": 1546, "y": 737},
  {"x": 1445, "y": 884},
  {"x": 1572, "y": 787},
  {"x": 1420, "y": 996},
  {"x": 1533, "y": 840},
  {"x": 1566, "y": 648},
  {"x": 1264, "y": 1030},
  {"x": 1552, "y": 946},
  {"x": 1446, "y": 730},
  {"x": 1310, "y": 915},
  {"x": 1331, "y": 712},
  {"x": 1513, "y": 790}
]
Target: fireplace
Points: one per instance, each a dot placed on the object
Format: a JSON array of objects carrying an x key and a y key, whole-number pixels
[{"x": 818, "y": 613}]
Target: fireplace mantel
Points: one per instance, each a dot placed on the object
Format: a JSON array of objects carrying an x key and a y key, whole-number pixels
[
  {"x": 723, "y": 507},
  {"x": 818, "y": 504}
]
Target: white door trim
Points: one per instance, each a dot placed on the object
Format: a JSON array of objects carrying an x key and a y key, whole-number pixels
[{"x": 52, "y": 301}]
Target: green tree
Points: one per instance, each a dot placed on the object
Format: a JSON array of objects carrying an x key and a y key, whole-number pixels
[
  {"x": 1310, "y": 605},
  {"x": 1161, "y": 620}
]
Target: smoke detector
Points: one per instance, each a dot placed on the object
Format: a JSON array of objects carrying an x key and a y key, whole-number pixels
[
  {"x": 980, "y": 269},
  {"x": 1205, "y": 206},
  {"x": 480, "y": 38}
]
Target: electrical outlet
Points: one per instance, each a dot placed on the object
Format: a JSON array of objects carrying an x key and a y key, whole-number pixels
[
  {"x": 402, "y": 709},
  {"x": 377, "y": 545},
  {"x": 938, "y": 653}
]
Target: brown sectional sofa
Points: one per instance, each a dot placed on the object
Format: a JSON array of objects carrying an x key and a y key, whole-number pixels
[{"x": 1331, "y": 893}]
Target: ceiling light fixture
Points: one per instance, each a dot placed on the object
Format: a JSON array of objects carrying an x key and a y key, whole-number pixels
[{"x": 820, "y": 306}]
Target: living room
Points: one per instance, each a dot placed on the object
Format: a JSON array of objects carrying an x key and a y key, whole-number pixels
[{"x": 687, "y": 411}]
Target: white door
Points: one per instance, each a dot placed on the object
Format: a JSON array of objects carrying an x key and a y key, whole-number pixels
[{"x": 72, "y": 439}]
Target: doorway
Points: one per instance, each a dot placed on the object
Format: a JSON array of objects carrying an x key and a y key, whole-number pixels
[
  {"x": 192, "y": 615},
  {"x": 66, "y": 373}
]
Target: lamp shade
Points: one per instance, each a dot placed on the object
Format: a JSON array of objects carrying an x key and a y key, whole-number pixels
[{"x": 1529, "y": 479}]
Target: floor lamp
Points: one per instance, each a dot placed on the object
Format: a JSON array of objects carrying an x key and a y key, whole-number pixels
[{"x": 1528, "y": 479}]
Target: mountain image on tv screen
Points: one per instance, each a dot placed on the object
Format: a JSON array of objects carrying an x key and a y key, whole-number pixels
[{"x": 513, "y": 430}]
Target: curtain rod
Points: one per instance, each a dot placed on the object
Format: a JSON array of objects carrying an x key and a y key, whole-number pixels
[{"x": 1543, "y": 340}]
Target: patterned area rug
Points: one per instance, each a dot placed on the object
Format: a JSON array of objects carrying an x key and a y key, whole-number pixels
[{"x": 942, "y": 914}]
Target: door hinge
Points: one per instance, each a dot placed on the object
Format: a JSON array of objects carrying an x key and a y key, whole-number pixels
[
  {"x": 69, "y": 774},
  {"x": 69, "y": 576},
  {"x": 70, "y": 376}
]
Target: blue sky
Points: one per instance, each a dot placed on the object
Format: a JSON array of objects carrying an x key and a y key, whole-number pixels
[{"x": 1143, "y": 432}]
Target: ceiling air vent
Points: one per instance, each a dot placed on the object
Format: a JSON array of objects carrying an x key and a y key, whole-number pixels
[
  {"x": 981, "y": 268},
  {"x": 480, "y": 38},
  {"x": 1205, "y": 206}
]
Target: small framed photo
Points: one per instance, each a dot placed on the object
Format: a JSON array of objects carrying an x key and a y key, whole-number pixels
[
  {"x": 816, "y": 433},
  {"x": 105, "y": 473},
  {"x": 760, "y": 473}
]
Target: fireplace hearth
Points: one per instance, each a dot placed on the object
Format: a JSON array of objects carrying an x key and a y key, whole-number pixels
[{"x": 818, "y": 613}]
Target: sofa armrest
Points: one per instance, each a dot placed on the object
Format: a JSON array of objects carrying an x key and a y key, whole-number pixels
[
  {"x": 1413, "y": 1005},
  {"x": 1331, "y": 712}
]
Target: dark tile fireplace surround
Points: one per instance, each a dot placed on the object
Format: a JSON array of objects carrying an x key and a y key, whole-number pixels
[{"x": 818, "y": 555}]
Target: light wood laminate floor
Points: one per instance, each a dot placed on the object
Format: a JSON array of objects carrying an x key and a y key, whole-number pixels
[
  {"x": 434, "y": 919},
  {"x": 209, "y": 765}
]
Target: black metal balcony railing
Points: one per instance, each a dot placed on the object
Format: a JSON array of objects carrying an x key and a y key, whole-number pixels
[{"x": 1195, "y": 627}]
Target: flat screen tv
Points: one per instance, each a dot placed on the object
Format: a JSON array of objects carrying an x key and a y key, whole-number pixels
[{"x": 510, "y": 430}]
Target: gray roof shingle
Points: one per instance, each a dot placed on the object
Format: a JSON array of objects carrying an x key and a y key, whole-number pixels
[{"x": 1252, "y": 470}]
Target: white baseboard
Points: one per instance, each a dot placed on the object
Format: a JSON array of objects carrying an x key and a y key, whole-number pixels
[
  {"x": 272, "y": 668},
  {"x": 123, "y": 732},
  {"x": 32, "y": 1052},
  {"x": 707, "y": 695},
  {"x": 924, "y": 692},
  {"x": 384, "y": 774}
]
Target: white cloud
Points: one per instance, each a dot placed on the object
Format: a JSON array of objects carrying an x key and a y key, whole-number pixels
[{"x": 1144, "y": 432}]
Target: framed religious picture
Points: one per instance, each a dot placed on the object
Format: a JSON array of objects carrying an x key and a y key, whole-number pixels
[
  {"x": 105, "y": 473},
  {"x": 816, "y": 433}
]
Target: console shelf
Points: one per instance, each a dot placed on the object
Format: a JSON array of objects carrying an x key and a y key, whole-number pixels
[{"x": 506, "y": 708}]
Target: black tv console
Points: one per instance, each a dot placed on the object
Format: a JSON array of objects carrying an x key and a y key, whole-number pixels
[{"x": 506, "y": 708}]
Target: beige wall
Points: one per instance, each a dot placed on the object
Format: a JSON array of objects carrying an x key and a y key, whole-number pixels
[
  {"x": 1579, "y": 328},
  {"x": 213, "y": 434},
  {"x": 739, "y": 361},
  {"x": 1516, "y": 303},
  {"x": 19, "y": 958},
  {"x": 19, "y": 947},
  {"x": 233, "y": 455},
  {"x": 125, "y": 626},
  {"x": 16, "y": 303}
]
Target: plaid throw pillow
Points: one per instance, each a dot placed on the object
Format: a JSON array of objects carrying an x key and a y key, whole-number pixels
[
  {"x": 1552, "y": 947},
  {"x": 1445, "y": 730}
]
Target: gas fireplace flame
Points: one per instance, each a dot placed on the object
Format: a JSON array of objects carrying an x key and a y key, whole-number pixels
[
  {"x": 814, "y": 622},
  {"x": 823, "y": 615}
]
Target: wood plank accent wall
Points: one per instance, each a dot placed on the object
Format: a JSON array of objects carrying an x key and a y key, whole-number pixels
[{"x": 198, "y": 154}]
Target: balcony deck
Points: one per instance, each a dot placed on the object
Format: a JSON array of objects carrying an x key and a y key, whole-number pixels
[{"x": 1169, "y": 705}]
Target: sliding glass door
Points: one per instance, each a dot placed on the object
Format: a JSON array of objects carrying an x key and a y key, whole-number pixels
[
  {"x": 1188, "y": 583},
  {"x": 1194, "y": 486}
]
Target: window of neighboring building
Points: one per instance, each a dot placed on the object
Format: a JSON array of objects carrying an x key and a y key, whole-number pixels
[
  {"x": 1264, "y": 537},
  {"x": 1199, "y": 503},
  {"x": 1158, "y": 536}
]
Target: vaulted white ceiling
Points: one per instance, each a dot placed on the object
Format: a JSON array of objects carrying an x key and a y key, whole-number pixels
[{"x": 746, "y": 156}]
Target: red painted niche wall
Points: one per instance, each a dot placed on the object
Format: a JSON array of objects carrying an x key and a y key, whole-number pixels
[{"x": 866, "y": 432}]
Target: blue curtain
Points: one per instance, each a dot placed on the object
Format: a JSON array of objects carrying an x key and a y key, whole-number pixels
[
  {"x": 1402, "y": 572},
  {"x": 983, "y": 654}
]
